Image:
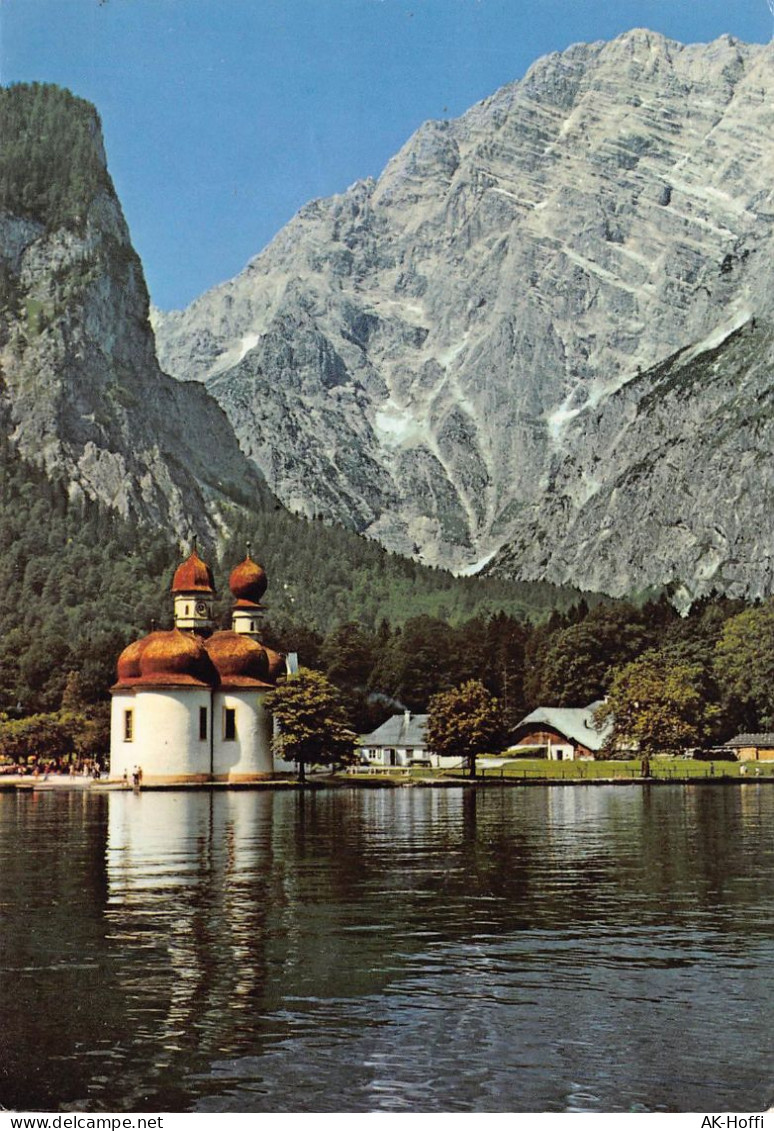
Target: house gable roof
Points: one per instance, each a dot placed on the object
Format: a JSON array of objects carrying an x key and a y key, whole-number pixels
[
  {"x": 575, "y": 723},
  {"x": 766, "y": 739},
  {"x": 399, "y": 730}
]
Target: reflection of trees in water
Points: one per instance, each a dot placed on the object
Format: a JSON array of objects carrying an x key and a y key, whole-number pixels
[
  {"x": 564, "y": 856},
  {"x": 725, "y": 861},
  {"x": 175, "y": 930},
  {"x": 656, "y": 854}
]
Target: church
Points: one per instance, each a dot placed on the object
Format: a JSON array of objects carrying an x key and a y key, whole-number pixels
[{"x": 187, "y": 706}]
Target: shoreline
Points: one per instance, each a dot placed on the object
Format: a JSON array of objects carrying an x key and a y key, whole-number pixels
[{"x": 25, "y": 785}]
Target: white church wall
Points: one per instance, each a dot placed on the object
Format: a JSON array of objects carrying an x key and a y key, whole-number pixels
[
  {"x": 241, "y": 743},
  {"x": 123, "y": 752},
  {"x": 162, "y": 735}
]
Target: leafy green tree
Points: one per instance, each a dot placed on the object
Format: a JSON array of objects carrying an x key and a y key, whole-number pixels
[
  {"x": 348, "y": 655},
  {"x": 418, "y": 661},
  {"x": 693, "y": 640},
  {"x": 313, "y": 724},
  {"x": 42, "y": 737},
  {"x": 90, "y": 731},
  {"x": 506, "y": 641},
  {"x": 744, "y": 666},
  {"x": 463, "y": 723},
  {"x": 575, "y": 660},
  {"x": 657, "y": 704}
]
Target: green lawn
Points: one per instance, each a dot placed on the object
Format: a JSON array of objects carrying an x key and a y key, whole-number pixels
[
  {"x": 661, "y": 768},
  {"x": 540, "y": 769}
]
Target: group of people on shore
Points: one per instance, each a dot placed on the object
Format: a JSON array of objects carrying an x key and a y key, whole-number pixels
[
  {"x": 136, "y": 777},
  {"x": 65, "y": 766}
]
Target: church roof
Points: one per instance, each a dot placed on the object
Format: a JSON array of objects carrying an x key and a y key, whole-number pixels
[
  {"x": 193, "y": 576},
  {"x": 182, "y": 659},
  {"x": 226, "y": 659},
  {"x": 166, "y": 659},
  {"x": 239, "y": 661},
  {"x": 248, "y": 582}
]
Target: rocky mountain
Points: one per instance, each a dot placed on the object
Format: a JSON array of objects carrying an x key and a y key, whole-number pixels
[
  {"x": 81, "y": 392},
  {"x": 542, "y": 339},
  {"x": 105, "y": 460},
  {"x": 669, "y": 482}
]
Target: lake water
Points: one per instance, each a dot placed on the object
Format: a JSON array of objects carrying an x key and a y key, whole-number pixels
[{"x": 592, "y": 948}]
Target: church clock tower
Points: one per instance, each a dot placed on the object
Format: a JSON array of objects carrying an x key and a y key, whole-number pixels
[
  {"x": 194, "y": 591},
  {"x": 248, "y": 584}
]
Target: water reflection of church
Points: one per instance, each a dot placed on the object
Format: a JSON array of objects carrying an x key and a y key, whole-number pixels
[{"x": 188, "y": 705}]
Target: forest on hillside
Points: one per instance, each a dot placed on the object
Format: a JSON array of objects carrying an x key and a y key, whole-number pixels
[
  {"x": 712, "y": 669},
  {"x": 80, "y": 583}
]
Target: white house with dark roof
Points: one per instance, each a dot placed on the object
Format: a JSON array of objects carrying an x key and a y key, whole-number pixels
[
  {"x": 562, "y": 733},
  {"x": 400, "y": 741}
]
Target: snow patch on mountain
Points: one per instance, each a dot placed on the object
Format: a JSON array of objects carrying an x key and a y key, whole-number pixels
[
  {"x": 476, "y": 567},
  {"x": 397, "y": 427},
  {"x": 234, "y": 354}
]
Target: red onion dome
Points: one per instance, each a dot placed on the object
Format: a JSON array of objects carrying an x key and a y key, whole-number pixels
[
  {"x": 175, "y": 659},
  {"x": 193, "y": 576},
  {"x": 128, "y": 666},
  {"x": 248, "y": 582},
  {"x": 277, "y": 665},
  {"x": 240, "y": 661}
]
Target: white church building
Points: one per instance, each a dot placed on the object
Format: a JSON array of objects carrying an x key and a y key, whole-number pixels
[{"x": 187, "y": 706}]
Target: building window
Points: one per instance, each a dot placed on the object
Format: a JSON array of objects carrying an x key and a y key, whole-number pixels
[
  {"x": 229, "y": 724},
  {"x": 202, "y": 724},
  {"x": 187, "y": 610},
  {"x": 128, "y": 726}
]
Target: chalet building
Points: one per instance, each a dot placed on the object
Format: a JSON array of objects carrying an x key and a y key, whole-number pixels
[
  {"x": 753, "y": 747},
  {"x": 401, "y": 741},
  {"x": 187, "y": 705},
  {"x": 398, "y": 742},
  {"x": 562, "y": 733}
]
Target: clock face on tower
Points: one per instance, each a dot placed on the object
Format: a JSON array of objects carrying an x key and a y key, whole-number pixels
[{"x": 201, "y": 608}]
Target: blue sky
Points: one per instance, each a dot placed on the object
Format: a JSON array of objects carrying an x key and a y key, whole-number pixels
[{"x": 223, "y": 117}]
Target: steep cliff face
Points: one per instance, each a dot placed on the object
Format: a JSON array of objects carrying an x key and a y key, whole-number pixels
[
  {"x": 669, "y": 482},
  {"x": 82, "y": 392},
  {"x": 445, "y": 358}
]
